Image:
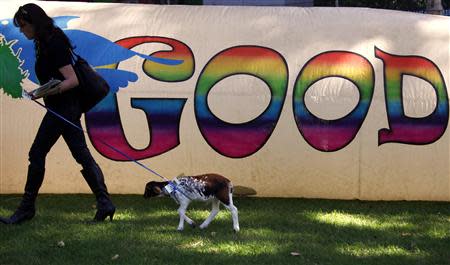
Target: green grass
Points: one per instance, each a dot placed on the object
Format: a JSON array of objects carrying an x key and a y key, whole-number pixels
[{"x": 144, "y": 232}]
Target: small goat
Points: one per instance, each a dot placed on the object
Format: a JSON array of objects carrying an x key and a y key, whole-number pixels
[{"x": 209, "y": 187}]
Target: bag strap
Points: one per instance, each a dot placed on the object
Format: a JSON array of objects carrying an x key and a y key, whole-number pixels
[{"x": 75, "y": 56}]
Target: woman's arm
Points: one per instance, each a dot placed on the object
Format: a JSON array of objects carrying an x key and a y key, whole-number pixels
[{"x": 70, "y": 79}]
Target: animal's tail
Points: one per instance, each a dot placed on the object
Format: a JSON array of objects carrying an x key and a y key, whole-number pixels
[{"x": 230, "y": 187}]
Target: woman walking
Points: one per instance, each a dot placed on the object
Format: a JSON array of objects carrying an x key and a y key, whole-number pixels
[{"x": 54, "y": 61}]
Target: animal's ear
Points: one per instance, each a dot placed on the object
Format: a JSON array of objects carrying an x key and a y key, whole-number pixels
[{"x": 157, "y": 190}]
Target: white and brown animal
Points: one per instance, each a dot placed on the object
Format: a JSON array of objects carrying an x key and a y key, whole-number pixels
[{"x": 212, "y": 188}]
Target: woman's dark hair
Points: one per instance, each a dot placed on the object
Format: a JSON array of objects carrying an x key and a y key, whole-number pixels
[{"x": 43, "y": 25}]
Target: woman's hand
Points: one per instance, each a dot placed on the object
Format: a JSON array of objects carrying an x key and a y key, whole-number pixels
[{"x": 31, "y": 94}]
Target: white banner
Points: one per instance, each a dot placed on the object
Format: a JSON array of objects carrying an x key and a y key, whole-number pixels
[{"x": 294, "y": 102}]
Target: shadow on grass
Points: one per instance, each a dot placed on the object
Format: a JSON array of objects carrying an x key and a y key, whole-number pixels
[{"x": 144, "y": 231}]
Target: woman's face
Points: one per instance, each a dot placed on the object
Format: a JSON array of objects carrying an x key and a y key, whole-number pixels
[{"x": 27, "y": 29}]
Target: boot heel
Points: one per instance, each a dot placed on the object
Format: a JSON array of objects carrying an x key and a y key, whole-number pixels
[
  {"x": 102, "y": 214},
  {"x": 111, "y": 215}
]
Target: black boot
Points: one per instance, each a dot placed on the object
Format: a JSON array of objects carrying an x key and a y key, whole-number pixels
[
  {"x": 27, "y": 209},
  {"x": 94, "y": 177},
  {"x": 24, "y": 212}
]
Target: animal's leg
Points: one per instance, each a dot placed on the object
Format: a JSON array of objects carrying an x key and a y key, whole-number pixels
[
  {"x": 181, "y": 213},
  {"x": 214, "y": 211},
  {"x": 234, "y": 213},
  {"x": 189, "y": 221}
]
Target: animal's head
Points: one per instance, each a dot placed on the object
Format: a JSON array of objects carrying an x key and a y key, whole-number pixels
[{"x": 154, "y": 189}]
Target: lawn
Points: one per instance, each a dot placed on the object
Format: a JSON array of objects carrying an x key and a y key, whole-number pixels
[{"x": 273, "y": 231}]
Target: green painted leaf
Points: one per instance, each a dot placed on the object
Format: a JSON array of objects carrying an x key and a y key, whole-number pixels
[{"x": 11, "y": 73}]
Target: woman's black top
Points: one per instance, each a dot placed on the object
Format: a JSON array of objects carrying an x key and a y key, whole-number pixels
[{"x": 53, "y": 55}]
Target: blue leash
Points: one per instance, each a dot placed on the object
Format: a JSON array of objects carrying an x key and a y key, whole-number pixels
[
  {"x": 100, "y": 140},
  {"x": 175, "y": 189}
]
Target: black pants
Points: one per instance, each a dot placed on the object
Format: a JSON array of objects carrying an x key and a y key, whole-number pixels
[{"x": 51, "y": 128}]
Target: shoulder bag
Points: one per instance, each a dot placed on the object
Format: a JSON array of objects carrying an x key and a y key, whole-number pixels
[{"x": 92, "y": 87}]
